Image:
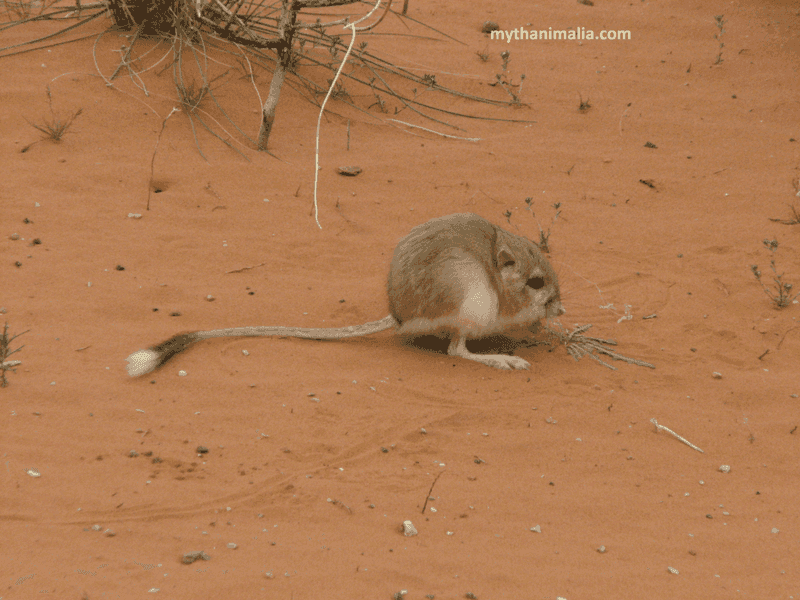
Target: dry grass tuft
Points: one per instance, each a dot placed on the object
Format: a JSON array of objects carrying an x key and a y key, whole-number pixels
[{"x": 579, "y": 345}]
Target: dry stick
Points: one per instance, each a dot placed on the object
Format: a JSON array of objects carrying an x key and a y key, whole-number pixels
[
  {"x": 668, "y": 430},
  {"x": 376, "y": 23},
  {"x": 454, "y": 137},
  {"x": 286, "y": 30},
  {"x": 430, "y": 491},
  {"x": 124, "y": 61},
  {"x": 243, "y": 269},
  {"x": 341, "y": 504},
  {"x": 153, "y": 160},
  {"x": 351, "y": 27}
]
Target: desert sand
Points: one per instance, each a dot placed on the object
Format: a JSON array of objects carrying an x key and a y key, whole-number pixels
[{"x": 292, "y": 464}]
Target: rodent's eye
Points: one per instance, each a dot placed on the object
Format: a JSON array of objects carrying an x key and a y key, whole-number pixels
[{"x": 536, "y": 283}]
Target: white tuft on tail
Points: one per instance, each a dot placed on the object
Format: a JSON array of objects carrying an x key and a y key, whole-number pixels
[{"x": 141, "y": 362}]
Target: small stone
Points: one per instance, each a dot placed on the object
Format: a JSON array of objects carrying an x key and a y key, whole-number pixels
[
  {"x": 190, "y": 557},
  {"x": 232, "y": 546},
  {"x": 350, "y": 171},
  {"x": 181, "y": 373},
  {"x": 672, "y": 570},
  {"x": 716, "y": 375},
  {"x": 409, "y": 529},
  {"x": 725, "y": 468},
  {"x": 201, "y": 450},
  {"x": 134, "y": 216},
  {"x": 14, "y": 236},
  {"x": 536, "y": 529},
  {"x": 489, "y": 27},
  {"x": 602, "y": 549}
]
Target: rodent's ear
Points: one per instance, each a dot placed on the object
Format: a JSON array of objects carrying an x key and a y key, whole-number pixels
[{"x": 505, "y": 258}]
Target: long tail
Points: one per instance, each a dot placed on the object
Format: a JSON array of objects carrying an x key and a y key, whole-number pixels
[{"x": 142, "y": 362}]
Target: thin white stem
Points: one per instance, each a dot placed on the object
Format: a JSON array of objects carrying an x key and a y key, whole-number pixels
[
  {"x": 454, "y": 137},
  {"x": 668, "y": 430},
  {"x": 351, "y": 27}
]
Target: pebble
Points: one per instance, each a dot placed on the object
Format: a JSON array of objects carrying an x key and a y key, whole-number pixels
[
  {"x": 349, "y": 171},
  {"x": 190, "y": 557},
  {"x": 409, "y": 529}
]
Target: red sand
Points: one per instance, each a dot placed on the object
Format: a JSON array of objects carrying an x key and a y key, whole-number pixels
[{"x": 315, "y": 450}]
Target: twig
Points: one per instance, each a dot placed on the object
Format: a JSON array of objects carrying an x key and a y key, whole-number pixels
[
  {"x": 430, "y": 491},
  {"x": 341, "y": 504},
  {"x": 5, "y": 352},
  {"x": 124, "y": 61},
  {"x": 153, "y": 160},
  {"x": 352, "y": 27},
  {"x": 454, "y": 137},
  {"x": 668, "y": 430},
  {"x": 243, "y": 269}
]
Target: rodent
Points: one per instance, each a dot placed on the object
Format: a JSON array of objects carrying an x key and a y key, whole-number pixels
[{"x": 457, "y": 277}]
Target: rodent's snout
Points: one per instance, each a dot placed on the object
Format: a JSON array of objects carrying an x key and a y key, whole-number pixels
[{"x": 554, "y": 308}]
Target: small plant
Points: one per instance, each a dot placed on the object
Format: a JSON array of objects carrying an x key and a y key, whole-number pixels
[
  {"x": 584, "y": 104},
  {"x": 795, "y": 218},
  {"x": 504, "y": 80},
  {"x": 782, "y": 297},
  {"x": 380, "y": 103},
  {"x": 544, "y": 236},
  {"x": 5, "y": 352},
  {"x": 720, "y": 21},
  {"x": 54, "y": 128},
  {"x": 483, "y": 54},
  {"x": 192, "y": 95}
]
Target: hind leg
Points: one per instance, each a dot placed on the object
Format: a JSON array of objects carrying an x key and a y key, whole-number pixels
[{"x": 458, "y": 347}]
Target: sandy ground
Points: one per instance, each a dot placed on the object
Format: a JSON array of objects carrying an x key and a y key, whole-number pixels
[{"x": 317, "y": 452}]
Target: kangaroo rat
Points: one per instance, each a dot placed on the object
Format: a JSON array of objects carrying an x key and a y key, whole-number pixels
[{"x": 456, "y": 277}]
